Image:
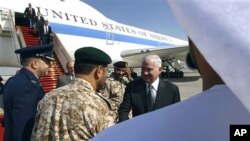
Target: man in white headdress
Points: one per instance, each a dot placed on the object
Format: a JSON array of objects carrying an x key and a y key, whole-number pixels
[{"x": 218, "y": 34}]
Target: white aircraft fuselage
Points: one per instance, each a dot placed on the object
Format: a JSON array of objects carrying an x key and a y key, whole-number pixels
[{"x": 77, "y": 24}]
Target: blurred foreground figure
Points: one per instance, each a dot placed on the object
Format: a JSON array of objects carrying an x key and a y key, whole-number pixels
[{"x": 219, "y": 34}]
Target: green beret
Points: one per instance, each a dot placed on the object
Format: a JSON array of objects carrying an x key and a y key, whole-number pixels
[
  {"x": 120, "y": 64},
  {"x": 92, "y": 55},
  {"x": 43, "y": 51}
]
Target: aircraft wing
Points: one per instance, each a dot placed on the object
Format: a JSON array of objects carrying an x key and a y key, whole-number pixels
[{"x": 134, "y": 57}]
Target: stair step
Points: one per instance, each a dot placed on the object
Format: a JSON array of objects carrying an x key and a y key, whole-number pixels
[{"x": 48, "y": 84}]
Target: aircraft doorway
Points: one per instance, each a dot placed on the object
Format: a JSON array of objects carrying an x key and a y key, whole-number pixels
[{"x": 20, "y": 20}]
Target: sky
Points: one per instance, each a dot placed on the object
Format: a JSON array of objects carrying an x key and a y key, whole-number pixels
[{"x": 153, "y": 15}]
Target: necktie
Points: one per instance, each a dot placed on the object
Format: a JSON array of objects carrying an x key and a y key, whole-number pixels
[
  {"x": 151, "y": 100},
  {"x": 72, "y": 77},
  {"x": 46, "y": 30}
]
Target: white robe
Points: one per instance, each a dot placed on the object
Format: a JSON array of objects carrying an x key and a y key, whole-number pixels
[{"x": 204, "y": 117}]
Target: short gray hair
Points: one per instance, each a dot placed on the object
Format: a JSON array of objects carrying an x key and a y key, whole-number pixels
[{"x": 155, "y": 58}]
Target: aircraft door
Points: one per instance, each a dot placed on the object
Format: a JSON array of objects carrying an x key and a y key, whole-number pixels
[{"x": 109, "y": 37}]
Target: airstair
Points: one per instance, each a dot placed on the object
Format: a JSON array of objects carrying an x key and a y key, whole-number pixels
[
  {"x": 14, "y": 35},
  {"x": 48, "y": 82}
]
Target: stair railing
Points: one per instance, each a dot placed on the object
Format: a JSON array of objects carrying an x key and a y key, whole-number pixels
[
  {"x": 20, "y": 37},
  {"x": 7, "y": 22},
  {"x": 62, "y": 55},
  {"x": 10, "y": 26}
]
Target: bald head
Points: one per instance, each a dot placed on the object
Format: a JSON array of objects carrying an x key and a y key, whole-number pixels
[{"x": 70, "y": 66}]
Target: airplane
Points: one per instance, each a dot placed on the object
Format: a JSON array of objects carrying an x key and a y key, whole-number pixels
[{"x": 76, "y": 24}]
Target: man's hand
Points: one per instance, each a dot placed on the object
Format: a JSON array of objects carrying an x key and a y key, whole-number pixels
[{"x": 128, "y": 74}]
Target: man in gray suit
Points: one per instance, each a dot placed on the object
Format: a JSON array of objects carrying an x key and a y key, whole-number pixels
[
  {"x": 30, "y": 14},
  {"x": 68, "y": 77}
]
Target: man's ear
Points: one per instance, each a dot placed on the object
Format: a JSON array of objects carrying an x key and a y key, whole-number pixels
[
  {"x": 98, "y": 72},
  {"x": 35, "y": 63},
  {"x": 160, "y": 69},
  {"x": 190, "y": 63}
]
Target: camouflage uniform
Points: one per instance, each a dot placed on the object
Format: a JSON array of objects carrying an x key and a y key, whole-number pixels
[
  {"x": 114, "y": 89},
  {"x": 74, "y": 112}
]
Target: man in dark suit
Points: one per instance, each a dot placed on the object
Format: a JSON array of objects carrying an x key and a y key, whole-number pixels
[
  {"x": 30, "y": 14},
  {"x": 149, "y": 92},
  {"x": 68, "y": 77},
  {"x": 22, "y": 92},
  {"x": 39, "y": 22},
  {"x": 45, "y": 33}
]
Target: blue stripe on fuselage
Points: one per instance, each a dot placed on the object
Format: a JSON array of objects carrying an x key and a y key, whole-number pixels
[{"x": 81, "y": 31}]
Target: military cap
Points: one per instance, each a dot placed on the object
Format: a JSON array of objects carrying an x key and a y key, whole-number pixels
[
  {"x": 120, "y": 64},
  {"x": 43, "y": 51},
  {"x": 92, "y": 55}
]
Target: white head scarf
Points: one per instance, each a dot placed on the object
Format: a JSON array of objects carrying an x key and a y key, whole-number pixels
[{"x": 223, "y": 39}]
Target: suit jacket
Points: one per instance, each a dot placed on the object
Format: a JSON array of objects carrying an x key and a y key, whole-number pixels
[
  {"x": 45, "y": 37},
  {"x": 136, "y": 98},
  {"x": 64, "y": 80},
  {"x": 21, "y": 95},
  {"x": 39, "y": 22},
  {"x": 28, "y": 15},
  {"x": 48, "y": 32}
]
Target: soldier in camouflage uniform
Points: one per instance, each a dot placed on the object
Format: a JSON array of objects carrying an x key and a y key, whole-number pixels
[
  {"x": 115, "y": 85},
  {"x": 76, "y": 112}
]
